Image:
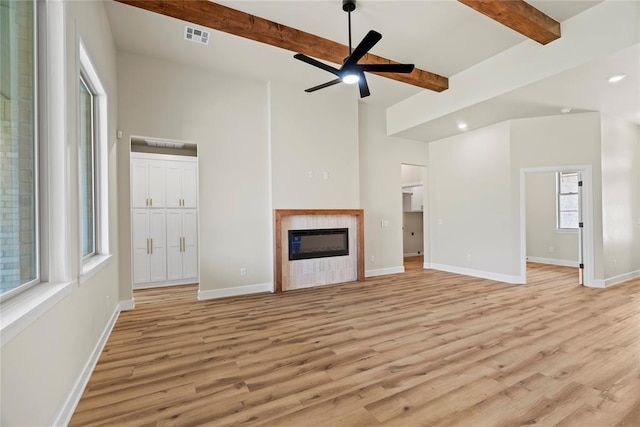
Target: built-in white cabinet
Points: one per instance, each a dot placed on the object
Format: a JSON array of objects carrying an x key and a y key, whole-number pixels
[
  {"x": 164, "y": 219},
  {"x": 413, "y": 198},
  {"x": 182, "y": 244},
  {"x": 148, "y": 183},
  {"x": 182, "y": 188},
  {"x": 149, "y": 245}
]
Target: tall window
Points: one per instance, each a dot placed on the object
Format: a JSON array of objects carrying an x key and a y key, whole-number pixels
[
  {"x": 568, "y": 200},
  {"x": 18, "y": 153},
  {"x": 87, "y": 170}
]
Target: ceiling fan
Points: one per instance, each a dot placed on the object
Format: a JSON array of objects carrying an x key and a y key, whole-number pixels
[{"x": 351, "y": 72}]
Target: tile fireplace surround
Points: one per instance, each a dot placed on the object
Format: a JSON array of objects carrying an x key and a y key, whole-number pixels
[{"x": 307, "y": 273}]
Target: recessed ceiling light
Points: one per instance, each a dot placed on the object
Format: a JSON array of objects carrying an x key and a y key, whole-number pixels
[
  {"x": 350, "y": 78},
  {"x": 617, "y": 78},
  {"x": 565, "y": 110},
  {"x": 462, "y": 126}
]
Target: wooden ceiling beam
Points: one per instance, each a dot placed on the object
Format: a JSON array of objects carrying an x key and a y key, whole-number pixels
[
  {"x": 520, "y": 16},
  {"x": 232, "y": 21}
]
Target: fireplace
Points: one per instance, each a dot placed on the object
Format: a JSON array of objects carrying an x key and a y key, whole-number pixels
[{"x": 318, "y": 243}]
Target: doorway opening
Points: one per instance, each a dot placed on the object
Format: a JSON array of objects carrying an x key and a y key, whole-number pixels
[
  {"x": 413, "y": 180},
  {"x": 556, "y": 225}
]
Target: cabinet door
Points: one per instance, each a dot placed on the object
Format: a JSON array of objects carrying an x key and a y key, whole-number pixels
[
  {"x": 417, "y": 199},
  {"x": 174, "y": 184},
  {"x": 158, "y": 257},
  {"x": 140, "y": 245},
  {"x": 190, "y": 185},
  {"x": 190, "y": 249},
  {"x": 157, "y": 183},
  {"x": 139, "y": 183},
  {"x": 174, "y": 244}
]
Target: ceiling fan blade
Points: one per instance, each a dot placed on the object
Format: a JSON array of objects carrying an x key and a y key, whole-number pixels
[
  {"x": 363, "y": 86},
  {"x": 361, "y": 50},
  {"x": 316, "y": 63},
  {"x": 386, "y": 68},
  {"x": 323, "y": 85}
]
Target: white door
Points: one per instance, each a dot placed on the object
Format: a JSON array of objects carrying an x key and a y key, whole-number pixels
[
  {"x": 190, "y": 185},
  {"x": 174, "y": 244},
  {"x": 157, "y": 183},
  {"x": 190, "y": 244},
  {"x": 139, "y": 183},
  {"x": 140, "y": 224},
  {"x": 158, "y": 256},
  {"x": 417, "y": 199},
  {"x": 174, "y": 184}
]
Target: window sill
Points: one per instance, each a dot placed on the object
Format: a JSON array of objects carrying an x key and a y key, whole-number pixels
[
  {"x": 20, "y": 311},
  {"x": 92, "y": 265}
]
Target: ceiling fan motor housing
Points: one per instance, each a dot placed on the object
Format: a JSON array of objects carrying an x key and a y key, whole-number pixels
[{"x": 348, "y": 5}]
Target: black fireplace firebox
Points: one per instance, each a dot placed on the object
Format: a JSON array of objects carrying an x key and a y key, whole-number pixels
[{"x": 319, "y": 243}]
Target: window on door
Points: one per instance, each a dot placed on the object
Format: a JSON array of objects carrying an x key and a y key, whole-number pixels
[{"x": 567, "y": 200}]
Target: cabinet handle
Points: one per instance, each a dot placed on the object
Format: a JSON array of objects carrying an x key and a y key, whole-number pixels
[
  {"x": 183, "y": 244},
  {"x": 147, "y": 246},
  {"x": 151, "y": 245},
  {"x": 150, "y": 202},
  {"x": 146, "y": 201}
]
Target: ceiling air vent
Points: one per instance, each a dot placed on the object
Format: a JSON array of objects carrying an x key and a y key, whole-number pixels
[{"x": 196, "y": 35}]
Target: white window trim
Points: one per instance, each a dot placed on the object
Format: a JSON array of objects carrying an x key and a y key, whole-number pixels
[
  {"x": 92, "y": 264},
  {"x": 21, "y": 310}
]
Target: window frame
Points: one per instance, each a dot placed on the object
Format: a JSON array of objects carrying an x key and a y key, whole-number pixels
[
  {"x": 36, "y": 162},
  {"x": 94, "y": 167},
  {"x": 92, "y": 263},
  {"x": 559, "y": 194}
]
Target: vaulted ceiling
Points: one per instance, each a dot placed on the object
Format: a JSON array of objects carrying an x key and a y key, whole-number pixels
[{"x": 443, "y": 38}]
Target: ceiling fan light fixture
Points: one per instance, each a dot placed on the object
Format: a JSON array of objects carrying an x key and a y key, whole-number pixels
[{"x": 350, "y": 78}]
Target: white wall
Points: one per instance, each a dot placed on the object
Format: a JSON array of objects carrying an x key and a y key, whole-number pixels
[
  {"x": 620, "y": 197},
  {"x": 43, "y": 362},
  {"x": 381, "y": 189},
  {"x": 314, "y": 133},
  {"x": 542, "y": 234},
  {"x": 470, "y": 205},
  {"x": 556, "y": 141},
  {"x": 228, "y": 119}
]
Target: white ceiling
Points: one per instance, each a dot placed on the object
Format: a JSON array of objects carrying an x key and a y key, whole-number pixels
[{"x": 445, "y": 37}]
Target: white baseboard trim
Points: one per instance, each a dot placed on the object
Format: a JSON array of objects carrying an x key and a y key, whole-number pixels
[
  {"x": 412, "y": 254},
  {"x": 479, "y": 273},
  {"x": 605, "y": 283},
  {"x": 127, "y": 305},
  {"x": 383, "y": 271},
  {"x": 164, "y": 284},
  {"x": 552, "y": 261},
  {"x": 69, "y": 407},
  {"x": 235, "y": 291}
]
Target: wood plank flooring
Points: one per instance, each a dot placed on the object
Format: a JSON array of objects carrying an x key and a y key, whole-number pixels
[{"x": 421, "y": 348}]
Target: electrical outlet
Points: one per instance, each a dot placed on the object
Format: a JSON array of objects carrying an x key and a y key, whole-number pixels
[
  {"x": 243, "y": 271},
  {"x": 552, "y": 249},
  {"x": 468, "y": 258},
  {"x": 373, "y": 258}
]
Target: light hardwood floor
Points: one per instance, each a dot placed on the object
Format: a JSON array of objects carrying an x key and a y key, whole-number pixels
[{"x": 421, "y": 348}]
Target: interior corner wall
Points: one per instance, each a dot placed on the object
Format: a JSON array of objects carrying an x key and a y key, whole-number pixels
[
  {"x": 228, "y": 119},
  {"x": 620, "y": 197},
  {"x": 552, "y": 141},
  {"x": 40, "y": 365},
  {"x": 381, "y": 158},
  {"x": 314, "y": 148},
  {"x": 544, "y": 242},
  {"x": 470, "y": 203}
]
